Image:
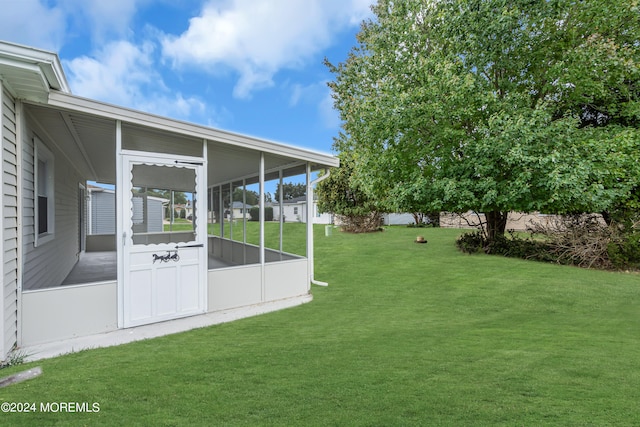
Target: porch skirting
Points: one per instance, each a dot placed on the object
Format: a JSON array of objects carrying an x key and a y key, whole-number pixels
[
  {"x": 60, "y": 317},
  {"x": 124, "y": 336}
]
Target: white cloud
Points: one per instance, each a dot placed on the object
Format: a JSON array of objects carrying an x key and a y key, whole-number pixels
[
  {"x": 330, "y": 116},
  {"x": 115, "y": 74},
  {"x": 124, "y": 74},
  {"x": 103, "y": 18},
  {"x": 257, "y": 38},
  {"x": 317, "y": 94},
  {"x": 29, "y": 22},
  {"x": 48, "y": 24}
]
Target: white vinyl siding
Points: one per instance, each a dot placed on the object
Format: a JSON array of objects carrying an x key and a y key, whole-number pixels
[
  {"x": 9, "y": 223},
  {"x": 48, "y": 264},
  {"x": 102, "y": 213}
]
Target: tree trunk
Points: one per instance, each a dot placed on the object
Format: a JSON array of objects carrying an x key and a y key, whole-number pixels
[
  {"x": 496, "y": 224},
  {"x": 435, "y": 218},
  {"x": 417, "y": 217}
]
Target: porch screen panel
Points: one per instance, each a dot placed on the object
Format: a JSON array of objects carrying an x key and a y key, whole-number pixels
[{"x": 162, "y": 200}]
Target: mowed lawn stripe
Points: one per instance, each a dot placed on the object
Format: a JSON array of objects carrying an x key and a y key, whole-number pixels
[{"x": 405, "y": 334}]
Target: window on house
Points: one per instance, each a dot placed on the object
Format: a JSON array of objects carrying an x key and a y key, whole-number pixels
[
  {"x": 44, "y": 193},
  {"x": 295, "y": 210}
]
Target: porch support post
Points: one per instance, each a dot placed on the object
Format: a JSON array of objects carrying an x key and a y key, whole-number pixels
[
  {"x": 281, "y": 203},
  {"x": 200, "y": 208},
  {"x": 19, "y": 237},
  {"x": 121, "y": 236},
  {"x": 244, "y": 222},
  {"x": 220, "y": 211},
  {"x": 309, "y": 226},
  {"x": 231, "y": 214},
  {"x": 262, "y": 258},
  {"x": 210, "y": 212}
]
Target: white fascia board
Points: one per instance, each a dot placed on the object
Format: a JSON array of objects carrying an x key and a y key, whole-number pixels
[
  {"x": 83, "y": 105},
  {"x": 55, "y": 75}
]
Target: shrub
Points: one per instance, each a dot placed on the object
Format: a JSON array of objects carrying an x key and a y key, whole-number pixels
[
  {"x": 512, "y": 246},
  {"x": 361, "y": 223},
  {"x": 580, "y": 240},
  {"x": 254, "y": 212},
  {"x": 624, "y": 251},
  {"x": 471, "y": 243}
]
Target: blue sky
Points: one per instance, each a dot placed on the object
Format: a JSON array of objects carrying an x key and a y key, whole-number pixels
[{"x": 248, "y": 66}]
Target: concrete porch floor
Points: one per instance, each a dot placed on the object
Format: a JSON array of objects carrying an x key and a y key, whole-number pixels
[
  {"x": 102, "y": 266},
  {"x": 124, "y": 336}
]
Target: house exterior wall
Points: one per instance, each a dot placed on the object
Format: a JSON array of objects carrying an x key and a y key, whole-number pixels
[
  {"x": 239, "y": 215},
  {"x": 9, "y": 312},
  {"x": 102, "y": 212},
  {"x": 290, "y": 214},
  {"x": 49, "y": 263},
  {"x": 155, "y": 215},
  {"x": 321, "y": 218}
]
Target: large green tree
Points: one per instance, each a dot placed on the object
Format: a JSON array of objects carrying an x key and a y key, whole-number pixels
[
  {"x": 494, "y": 105},
  {"x": 291, "y": 190},
  {"x": 339, "y": 194}
]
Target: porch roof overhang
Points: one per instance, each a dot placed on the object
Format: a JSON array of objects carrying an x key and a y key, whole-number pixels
[
  {"x": 85, "y": 131},
  {"x": 31, "y": 73}
]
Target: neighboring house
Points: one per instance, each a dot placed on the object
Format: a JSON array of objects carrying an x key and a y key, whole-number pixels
[
  {"x": 54, "y": 143},
  {"x": 295, "y": 210},
  {"x": 240, "y": 211},
  {"x": 101, "y": 211}
]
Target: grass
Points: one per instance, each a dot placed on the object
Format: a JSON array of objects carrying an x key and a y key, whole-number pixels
[
  {"x": 294, "y": 234},
  {"x": 405, "y": 334}
]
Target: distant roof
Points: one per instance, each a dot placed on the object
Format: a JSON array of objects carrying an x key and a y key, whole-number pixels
[
  {"x": 240, "y": 205},
  {"x": 295, "y": 201}
]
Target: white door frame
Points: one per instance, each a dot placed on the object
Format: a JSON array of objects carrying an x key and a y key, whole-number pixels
[{"x": 194, "y": 256}]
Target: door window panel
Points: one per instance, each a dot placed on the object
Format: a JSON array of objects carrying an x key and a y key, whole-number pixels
[{"x": 163, "y": 204}]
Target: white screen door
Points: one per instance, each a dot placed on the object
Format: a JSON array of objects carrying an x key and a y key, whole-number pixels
[{"x": 164, "y": 239}]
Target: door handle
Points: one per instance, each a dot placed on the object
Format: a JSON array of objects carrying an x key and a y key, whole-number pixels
[{"x": 200, "y": 245}]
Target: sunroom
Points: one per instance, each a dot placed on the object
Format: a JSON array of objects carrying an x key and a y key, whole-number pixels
[{"x": 193, "y": 257}]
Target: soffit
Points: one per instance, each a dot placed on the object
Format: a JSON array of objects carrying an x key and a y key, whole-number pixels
[
  {"x": 31, "y": 73},
  {"x": 87, "y": 136}
]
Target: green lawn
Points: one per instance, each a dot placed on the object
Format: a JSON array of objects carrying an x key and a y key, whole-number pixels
[
  {"x": 294, "y": 234},
  {"x": 406, "y": 334}
]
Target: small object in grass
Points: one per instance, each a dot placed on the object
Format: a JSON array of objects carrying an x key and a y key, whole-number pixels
[
  {"x": 420, "y": 239},
  {"x": 21, "y": 376}
]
